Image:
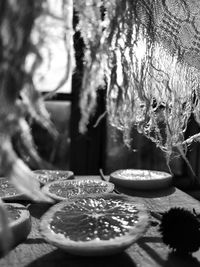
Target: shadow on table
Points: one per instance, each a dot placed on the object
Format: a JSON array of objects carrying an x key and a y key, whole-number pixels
[
  {"x": 175, "y": 260},
  {"x": 38, "y": 209},
  {"x": 63, "y": 259},
  {"x": 144, "y": 244},
  {"x": 172, "y": 260},
  {"x": 31, "y": 241},
  {"x": 146, "y": 193}
]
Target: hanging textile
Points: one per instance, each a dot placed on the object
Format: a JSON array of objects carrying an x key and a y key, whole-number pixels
[{"x": 149, "y": 52}]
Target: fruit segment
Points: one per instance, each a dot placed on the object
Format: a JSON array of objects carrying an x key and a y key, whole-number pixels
[
  {"x": 95, "y": 225},
  {"x": 19, "y": 224},
  {"x": 47, "y": 176},
  {"x": 8, "y": 190},
  {"x": 61, "y": 190}
]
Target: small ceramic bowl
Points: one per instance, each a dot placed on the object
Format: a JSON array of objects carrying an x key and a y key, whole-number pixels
[{"x": 141, "y": 179}]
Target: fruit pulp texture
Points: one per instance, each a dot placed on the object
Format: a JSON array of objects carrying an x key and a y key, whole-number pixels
[
  {"x": 95, "y": 219},
  {"x": 6, "y": 188},
  {"x": 140, "y": 174},
  {"x": 67, "y": 190},
  {"x": 48, "y": 177}
]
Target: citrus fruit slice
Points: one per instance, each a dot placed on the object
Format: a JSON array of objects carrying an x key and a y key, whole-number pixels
[
  {"x": 8, "y": 192},
  {"x": 19, "y": 223},
  {"x": 94, "y": 225},
  {"x": 46, "y": 176},
  {"x": 61, "y": 190},
  {"x": 141, "y": 179}
]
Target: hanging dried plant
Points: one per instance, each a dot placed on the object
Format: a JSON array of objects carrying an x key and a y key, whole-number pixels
[{"x": 149, "y": 53}]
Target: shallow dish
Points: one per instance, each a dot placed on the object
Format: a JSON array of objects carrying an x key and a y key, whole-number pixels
[{"x": 141, "y": 179}]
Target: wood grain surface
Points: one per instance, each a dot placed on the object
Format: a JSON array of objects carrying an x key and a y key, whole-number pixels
[{"x": 148, "y": 251}]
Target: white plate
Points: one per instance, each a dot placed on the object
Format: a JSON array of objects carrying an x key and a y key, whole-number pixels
[{"x": 141, "y": 179}]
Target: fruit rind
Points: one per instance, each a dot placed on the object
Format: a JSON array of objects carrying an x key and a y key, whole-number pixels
[{"x": 21, "y": 227}]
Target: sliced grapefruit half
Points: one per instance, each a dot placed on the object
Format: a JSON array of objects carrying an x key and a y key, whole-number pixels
[
  {"x": 95, "y": 225},
  {"x": 141, "y": 179},
  {"x": 46, "y": 176},
  {"x": 19, "y": 223},
  {"x": 8, "y": 192},
  {"x": 62, "y": 190}
]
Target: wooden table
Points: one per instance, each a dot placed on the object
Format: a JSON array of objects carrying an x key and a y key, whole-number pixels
[{"x": 148, "y": 251}]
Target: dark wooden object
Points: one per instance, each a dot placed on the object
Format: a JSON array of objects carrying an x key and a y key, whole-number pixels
[{"x": 87, "y": 150}]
